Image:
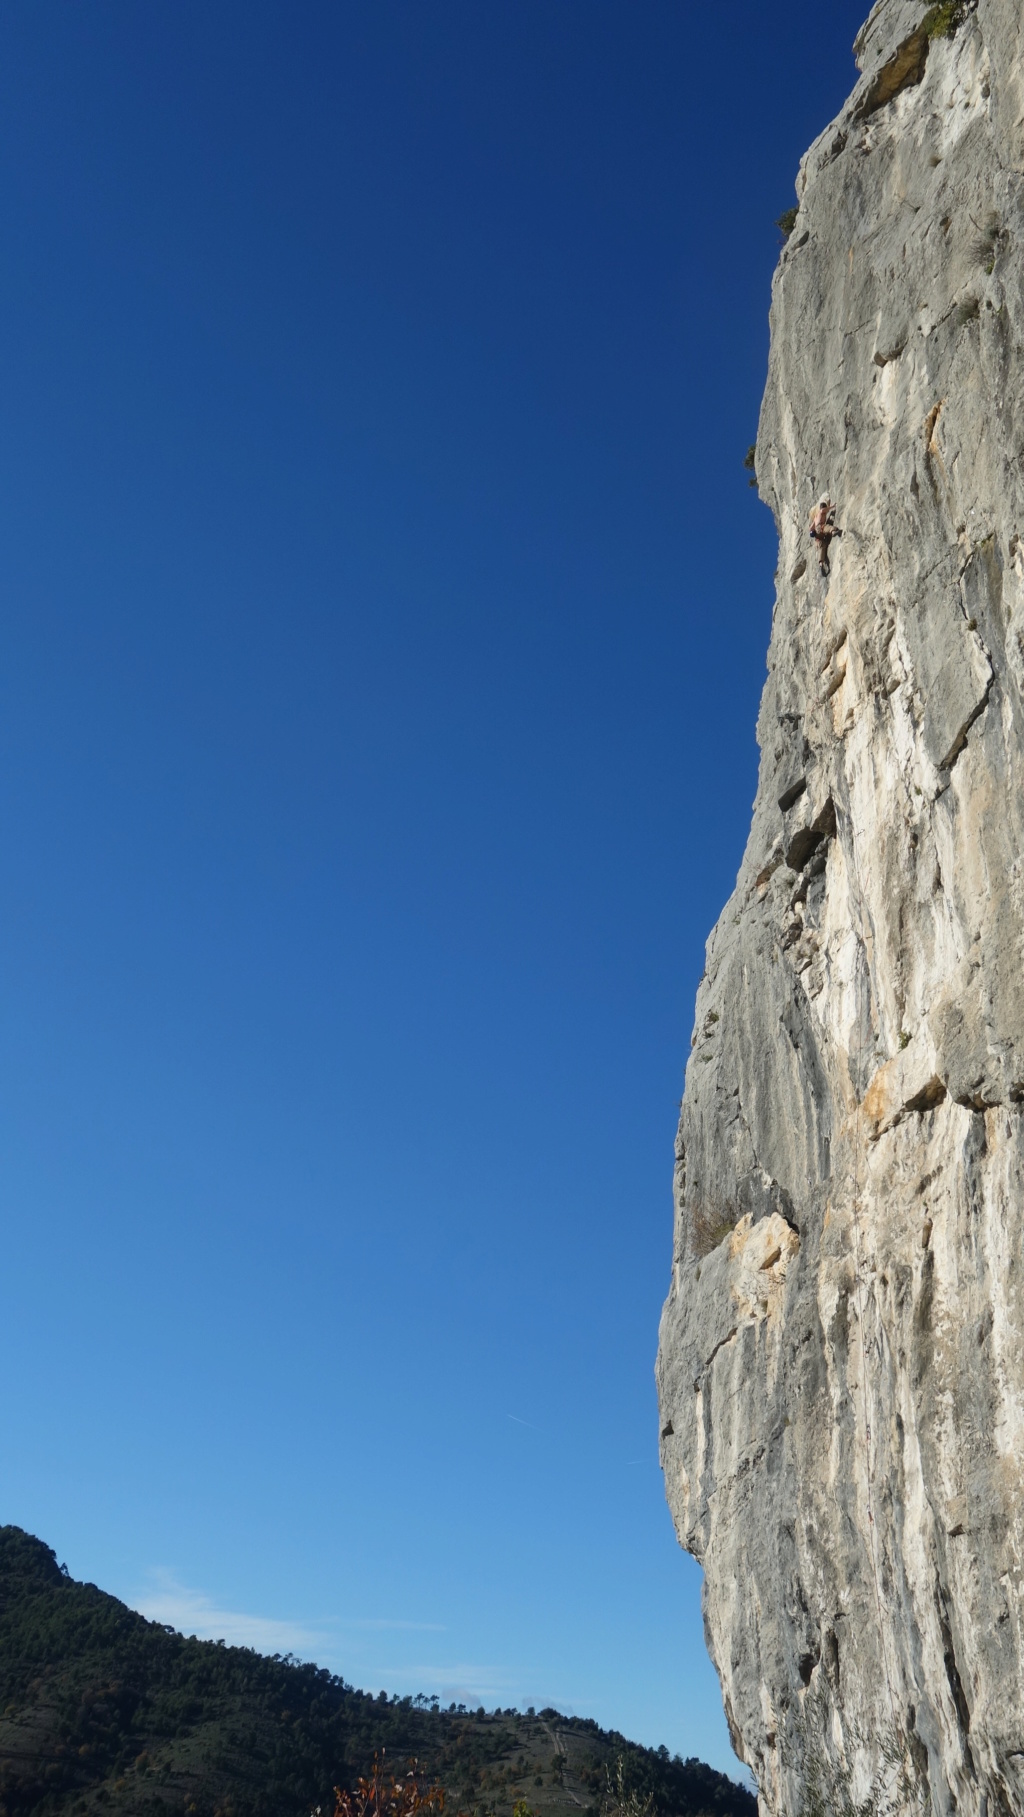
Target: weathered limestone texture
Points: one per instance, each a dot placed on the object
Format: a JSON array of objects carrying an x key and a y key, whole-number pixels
[{"x": 841, "y": 1367}]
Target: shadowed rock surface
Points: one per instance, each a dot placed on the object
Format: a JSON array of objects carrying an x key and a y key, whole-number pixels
[{"x": 841, "y": 1368}]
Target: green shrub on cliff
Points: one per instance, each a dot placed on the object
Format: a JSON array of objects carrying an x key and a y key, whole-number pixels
[{"x": 946, "y": 17}]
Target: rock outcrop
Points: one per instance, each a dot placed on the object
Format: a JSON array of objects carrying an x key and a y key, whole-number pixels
[{"x": 841, "y": 1368}]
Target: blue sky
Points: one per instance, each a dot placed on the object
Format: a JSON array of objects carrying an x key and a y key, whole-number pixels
[{"x": 384, "y": 617}]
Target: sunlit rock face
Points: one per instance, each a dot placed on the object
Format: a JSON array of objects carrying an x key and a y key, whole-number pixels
[{"x": 841, "y": 1367}]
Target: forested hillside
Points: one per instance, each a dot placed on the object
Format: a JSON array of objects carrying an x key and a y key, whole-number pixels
[{"x": 105, "y": 1712}]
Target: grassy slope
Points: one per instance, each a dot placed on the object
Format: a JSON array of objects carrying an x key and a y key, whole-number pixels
[{"x": 105, "y": 1712}]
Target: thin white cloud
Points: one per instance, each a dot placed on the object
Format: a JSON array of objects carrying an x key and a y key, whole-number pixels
[
  {"x": 412, "y": 1627},
  {"x": 459, "y": 1683},
  {"x": 473, "y": 1684},
  {"x": 191, "y": 1612}
]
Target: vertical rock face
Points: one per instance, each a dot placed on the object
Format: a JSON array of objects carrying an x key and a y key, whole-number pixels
[{"x": 841, "y": 1368}]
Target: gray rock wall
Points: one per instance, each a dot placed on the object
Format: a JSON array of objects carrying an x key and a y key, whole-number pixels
[{"x": 841, "y": 1368}]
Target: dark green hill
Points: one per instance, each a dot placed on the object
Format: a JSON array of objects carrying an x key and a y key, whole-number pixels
[{"x": 109, "y": 1714}]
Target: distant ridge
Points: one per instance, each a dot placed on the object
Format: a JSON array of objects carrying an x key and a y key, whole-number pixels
[{"x": 105, "y": 1712}]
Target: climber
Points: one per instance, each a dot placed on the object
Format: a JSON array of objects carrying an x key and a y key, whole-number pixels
[{"x": 823, "y": 529}]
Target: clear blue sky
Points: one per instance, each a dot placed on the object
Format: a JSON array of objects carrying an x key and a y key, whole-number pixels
[{"x": 384, "y": 617}]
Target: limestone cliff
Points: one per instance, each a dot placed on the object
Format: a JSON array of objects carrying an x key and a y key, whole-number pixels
[{"x": 841, "y": 1367}]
